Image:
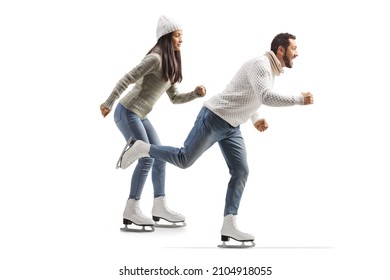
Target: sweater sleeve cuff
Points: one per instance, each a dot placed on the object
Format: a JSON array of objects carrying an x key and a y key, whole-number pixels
[
  {"x": 110, "y": 102},
  {"x": 255, "y": 117},
  {"x": 298, "y": 100}
]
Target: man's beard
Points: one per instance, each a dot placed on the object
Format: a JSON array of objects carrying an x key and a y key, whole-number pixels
[{"x": 287, "y": 61}]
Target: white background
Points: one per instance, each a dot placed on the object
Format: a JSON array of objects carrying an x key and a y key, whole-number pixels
[{"x": 316, "y": 198}]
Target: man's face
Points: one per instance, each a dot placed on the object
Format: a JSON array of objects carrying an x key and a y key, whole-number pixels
[{"x": 290, "y": 54}]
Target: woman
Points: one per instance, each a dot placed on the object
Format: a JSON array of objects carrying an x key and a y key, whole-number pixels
[{"x": 158, "y": 72}]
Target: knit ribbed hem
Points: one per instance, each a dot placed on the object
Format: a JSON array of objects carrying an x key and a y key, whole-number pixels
[{"x": 299, "y": 100}]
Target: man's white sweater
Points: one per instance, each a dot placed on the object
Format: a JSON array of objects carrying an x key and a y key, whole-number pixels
[{"x": 248, "y": 90}]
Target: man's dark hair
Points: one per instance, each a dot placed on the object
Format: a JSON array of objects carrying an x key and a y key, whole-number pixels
[{"x": 281, "y": 40}]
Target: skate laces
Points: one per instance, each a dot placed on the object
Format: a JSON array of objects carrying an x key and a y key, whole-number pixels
[
  {"x": 138, "y": 213},
  {"x": 233, "y": 224},
  {"x": 161, "y": 210},
  {"x": 167, "y": 209},
  {"x": 132, "y": 152},
  {"x": 141, "y": 149}
]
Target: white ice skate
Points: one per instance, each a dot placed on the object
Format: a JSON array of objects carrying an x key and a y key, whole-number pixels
[
  {"x": 230, "y": 230},
  {"x": 160, "y": 210},
  {"x": 133, "y": 215},
  {"x": 134, "y": 149}
]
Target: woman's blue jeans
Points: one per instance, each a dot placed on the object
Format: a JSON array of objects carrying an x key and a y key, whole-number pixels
[
  {"x": 209, "y": 129},
  {"x": 132, "y": 126}
]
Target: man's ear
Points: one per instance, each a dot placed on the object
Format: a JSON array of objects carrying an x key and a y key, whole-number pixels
[{"x": 281, "y": 50}]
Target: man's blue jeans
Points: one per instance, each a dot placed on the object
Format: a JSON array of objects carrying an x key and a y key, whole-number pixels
[{"x": 208, "y": 130}]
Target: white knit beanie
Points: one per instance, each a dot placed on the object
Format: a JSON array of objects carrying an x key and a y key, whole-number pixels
[{"x": 165, "y": 26}]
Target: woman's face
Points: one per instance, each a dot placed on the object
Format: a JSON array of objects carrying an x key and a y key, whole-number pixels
[{"x": 177, "y": 39}]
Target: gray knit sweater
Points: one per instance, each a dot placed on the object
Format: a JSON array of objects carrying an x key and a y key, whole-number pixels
[
  {"x": 250, "y": 87},
  {"x": 148, "y": 88}
]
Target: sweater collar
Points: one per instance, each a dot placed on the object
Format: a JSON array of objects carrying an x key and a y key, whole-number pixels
[{"x": 275, "y": 63}]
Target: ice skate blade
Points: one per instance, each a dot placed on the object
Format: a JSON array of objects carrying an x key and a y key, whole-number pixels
[
  {"x": 243, "y": 245},
  {"x": 173, "y": 225},
  {"x": 142, "y": 229},
  {"x": 168, "y": 224},
  {"x": 128, "y": 146}
]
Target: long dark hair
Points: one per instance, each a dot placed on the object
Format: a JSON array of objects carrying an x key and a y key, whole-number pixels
[{"x": 171, "y": 59}]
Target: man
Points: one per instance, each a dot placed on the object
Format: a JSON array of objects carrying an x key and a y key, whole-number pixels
[{"x": 219, "y": 121}]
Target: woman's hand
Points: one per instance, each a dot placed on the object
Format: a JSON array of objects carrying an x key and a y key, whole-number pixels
[
  {"x": 104, "y": 110},
  {"x": 200, "y": 90}
]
